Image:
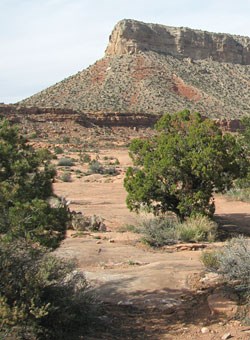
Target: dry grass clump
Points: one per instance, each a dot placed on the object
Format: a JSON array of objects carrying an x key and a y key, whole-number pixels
[
  {"x": 197, "y": 229},
  {"x": 160, "y": 231}
]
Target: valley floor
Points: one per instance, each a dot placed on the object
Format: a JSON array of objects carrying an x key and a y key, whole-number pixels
[{"x": 145, "y": 293}]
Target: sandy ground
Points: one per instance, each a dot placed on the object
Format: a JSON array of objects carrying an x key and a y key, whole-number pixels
[{"x": 147, "y": 293}]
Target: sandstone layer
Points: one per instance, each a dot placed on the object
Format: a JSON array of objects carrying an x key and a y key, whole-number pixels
[{"x": 130, "y": 36}]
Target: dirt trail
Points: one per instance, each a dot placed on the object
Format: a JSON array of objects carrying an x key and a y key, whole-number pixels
[
  {"x": 146, "y": 294},
  {"x": 233, "y": 215}
]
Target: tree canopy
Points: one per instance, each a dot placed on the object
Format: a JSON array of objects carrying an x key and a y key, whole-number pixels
[
  {"x": 182, "y": 166},
  {"x": 41, "y": 296},
  {"x": 26, "y": 177}
]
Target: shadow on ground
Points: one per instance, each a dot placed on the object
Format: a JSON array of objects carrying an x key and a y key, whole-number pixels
[
  {"x": 231, "y": 225},
  {"x": 150, "y": 315}
]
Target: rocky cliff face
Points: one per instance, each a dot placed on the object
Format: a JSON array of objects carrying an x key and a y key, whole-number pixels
[{"x": 130, "y": 37}]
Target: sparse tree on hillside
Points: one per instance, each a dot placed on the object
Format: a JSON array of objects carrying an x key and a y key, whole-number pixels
[{"x": 180, "y": 168}]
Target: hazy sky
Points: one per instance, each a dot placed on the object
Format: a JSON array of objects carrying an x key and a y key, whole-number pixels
[{"x": 45, "y": 41}]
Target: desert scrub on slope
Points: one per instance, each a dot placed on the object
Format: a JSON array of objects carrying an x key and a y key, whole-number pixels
[
  {"x": 65, "y": 162},
  {"x": 95, "y": 167}
]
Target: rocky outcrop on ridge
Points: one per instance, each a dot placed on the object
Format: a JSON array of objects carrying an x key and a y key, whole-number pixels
[
  {"x": 130, "y": 36},
  {"x": 150, "y": 80}
]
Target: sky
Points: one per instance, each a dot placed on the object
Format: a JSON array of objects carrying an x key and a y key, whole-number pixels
[{"x": 44, "y": 41}]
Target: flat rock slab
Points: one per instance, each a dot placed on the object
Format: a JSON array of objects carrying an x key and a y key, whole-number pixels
[{"x": 123, "y": 273}]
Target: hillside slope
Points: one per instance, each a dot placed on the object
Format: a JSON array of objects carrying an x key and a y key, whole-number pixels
[{"x": 137, "y": 77}]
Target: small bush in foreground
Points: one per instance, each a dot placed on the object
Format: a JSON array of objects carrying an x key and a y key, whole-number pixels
[
  {"x": 234, "y": 260},
  {"x": 41, "y": 296}
]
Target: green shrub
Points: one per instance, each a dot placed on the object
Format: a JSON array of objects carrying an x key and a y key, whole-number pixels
[
  {"x": 234, "y": 261},
  {"x": 197, "y": 229},
  {"x": 38, "y": 221},
  {"x": 58, "y": 150},
  {"x": 41, "y": 296},
  {"x": 112, "y": 171},
  {"x": 66, "y": 139},
  {"x": 95, "y": 167},
  {"x": 65, "y": 162},
  {"x": 25, "y": 187},
  {"x": 85, "y": 158},
  {"x": 181, "y": 167},
  {"x": 210, "y": 260},
  {"x": 66, "y": 177},
  {"x": 158, "y": 231}
]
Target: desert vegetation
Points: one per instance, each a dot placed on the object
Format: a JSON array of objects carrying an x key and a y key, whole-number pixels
[
  {"x": 177, "y": 169},
  {"x": 41, "y": 295},
  {"x": 241, "y": 187},
  {"x": 181, "y": 168}
]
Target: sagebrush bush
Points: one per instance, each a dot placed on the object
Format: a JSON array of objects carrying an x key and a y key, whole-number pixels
[
  {"x": 95, "y": 167},
  {"x": 81, "y": 222},
  {"x": 65, "y": 162},
  {"x": 41, "y": 296},
  {"x": 234, "y": 260},
  {"x": 85, "y": 158},
  {"x": 197, "y": 228},
  {"x": 58, "y": 150},
  {"x": 158, "y": 231},
  {"x": 66, "y": 177}
]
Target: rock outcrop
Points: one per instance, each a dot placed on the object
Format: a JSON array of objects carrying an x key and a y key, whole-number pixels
[
  {"x": 130, "y": 36},
  {"x": 150, "y": 69}
]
